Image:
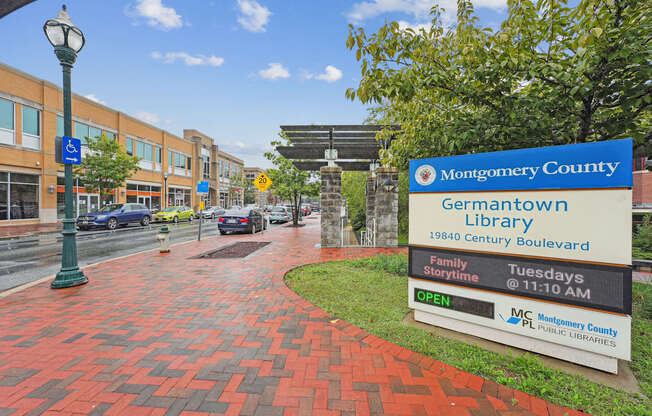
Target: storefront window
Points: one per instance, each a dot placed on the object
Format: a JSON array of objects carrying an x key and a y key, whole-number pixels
[
  {"x": 19, "y": 196},
  {"x": 179, "y": 197}
]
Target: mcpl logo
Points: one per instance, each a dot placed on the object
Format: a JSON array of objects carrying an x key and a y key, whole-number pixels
[{"x": 425, "y": 175}]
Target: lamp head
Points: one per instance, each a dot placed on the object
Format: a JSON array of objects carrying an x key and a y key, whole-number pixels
[{"x": 64, "y": 35}]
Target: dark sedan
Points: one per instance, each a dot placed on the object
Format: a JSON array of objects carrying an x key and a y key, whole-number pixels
[{"x": 242, "y": 220}]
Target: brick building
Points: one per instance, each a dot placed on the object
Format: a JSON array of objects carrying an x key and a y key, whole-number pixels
[
  {"x": 31, "y": 183},
  {"x": 642, "y": 188}
]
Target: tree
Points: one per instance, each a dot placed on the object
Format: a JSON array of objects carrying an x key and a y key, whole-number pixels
[
  {"x": 249, "y": 192},
  {"x": 354, "y": 186},
  {"x": 551, "y": 75},
  {"x": 105, "y": 167},
  {"x": 288, "y": 182},
  {"x": 237, "y": 182}
]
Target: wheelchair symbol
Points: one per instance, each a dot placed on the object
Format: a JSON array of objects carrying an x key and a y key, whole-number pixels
[{"x": 70, "y": 148}]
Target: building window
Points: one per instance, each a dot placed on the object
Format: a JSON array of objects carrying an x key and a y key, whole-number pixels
[
  {"x": 60, "y": 130},
  {"x": 158, "y": 156},
  {"x": 148, "y": 153},
  {"x": 110, "y": 135},
  {"x": 81, "y": 132},
  {"x": 130, "y": 146},
  {"x": 189, "y": 164},
  {"x": 19, "y": 196},
  {"x": 31, "y": 128},
  {"x": 207, "y": 167},
  {"x": 140, "y": 150},
  {"x": 6, "y": 121},
  {"x": 178, "y": 197},
  {"x": 94, "y": 132}
]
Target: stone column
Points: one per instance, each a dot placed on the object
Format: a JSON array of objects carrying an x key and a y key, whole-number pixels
[
  {"x": 386, "y": 204},
  {"x": 331, "y": 201},
  {"x": 371, "y": 201}
]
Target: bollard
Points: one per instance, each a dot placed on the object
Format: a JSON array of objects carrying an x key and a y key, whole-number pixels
[{"x": 164, "y": 238}]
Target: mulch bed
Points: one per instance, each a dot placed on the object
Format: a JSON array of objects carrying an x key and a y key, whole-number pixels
[
  {"x": 292, "y": 225},
  {"x": 233, "y": 251}
]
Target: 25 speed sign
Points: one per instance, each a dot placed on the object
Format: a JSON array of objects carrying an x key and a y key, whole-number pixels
[{"x": 262, "y": 182}]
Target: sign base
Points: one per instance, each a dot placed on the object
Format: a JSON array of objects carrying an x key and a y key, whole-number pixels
[{"x": 585, "y": 358}]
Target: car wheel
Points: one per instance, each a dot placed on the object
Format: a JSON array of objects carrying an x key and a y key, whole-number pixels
[
  {"x": 253, "y": 229},
  {"x": 175, "y": 220},
  {"x": 145, "y": 221},
  {"x": 213, "y": 217},
  {"x": 112, "y": 224}
]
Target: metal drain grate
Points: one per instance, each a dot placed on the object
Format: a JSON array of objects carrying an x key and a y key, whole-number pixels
[{"x": 233, "y": 251}]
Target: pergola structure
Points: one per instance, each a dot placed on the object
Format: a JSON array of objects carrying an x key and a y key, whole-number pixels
[
  {"x": 331, "y": 149},
  {"x": 355, "y": 146}
]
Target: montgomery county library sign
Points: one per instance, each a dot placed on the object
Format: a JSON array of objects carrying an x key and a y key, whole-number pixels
[{"x": 530, "y": 247}]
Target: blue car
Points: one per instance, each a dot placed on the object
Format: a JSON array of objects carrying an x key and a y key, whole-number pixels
[{"x": 113, "y": 215}]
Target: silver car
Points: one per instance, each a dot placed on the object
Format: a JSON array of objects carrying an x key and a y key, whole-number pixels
[
  {"x": 279, "y": 214},
  {"x": 213, "y": 212}
]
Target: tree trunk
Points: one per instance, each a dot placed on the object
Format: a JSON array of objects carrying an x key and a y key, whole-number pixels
[{"x": 295, "y": 212}]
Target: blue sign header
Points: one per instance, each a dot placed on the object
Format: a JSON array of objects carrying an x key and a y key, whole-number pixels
[
  {"x": 71, "y": 151},
  {"x": 574, "y": 166}
]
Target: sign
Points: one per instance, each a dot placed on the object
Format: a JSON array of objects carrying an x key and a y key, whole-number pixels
[
  {"x": 587, "y": 225},
  {"x": 71, "y": 151},
  {"x": 576, "y": 166},
  {"x": 454, "y": 303},
  {"x": 602, "y": 333},
  {"x": 202, "y": 187},
  {"x": 201, "y": 205},
  {"x": 262, "y": 182},
  {"x": 602, "y": 287},
  {"x": 544, "y": 235}
]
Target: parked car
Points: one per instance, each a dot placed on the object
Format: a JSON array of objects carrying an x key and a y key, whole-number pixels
[
  {"x": 175, "y": 214},
  {"x": 280, "y": 214},
  {"x": 113, "y": 215},
  {"x": 306, "y": 210},
  {"x": 234, "y": 207},
  {"x": 269, "y": 208},
  {"x": 213, "y": 212},
  {"x": 240, "y": 220}
]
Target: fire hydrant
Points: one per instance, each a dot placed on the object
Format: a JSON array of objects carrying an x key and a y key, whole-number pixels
[{"x": 164, "y": 238}]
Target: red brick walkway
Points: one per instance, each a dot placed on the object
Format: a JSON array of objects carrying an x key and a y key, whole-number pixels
[{"x": 166, "y": 335}]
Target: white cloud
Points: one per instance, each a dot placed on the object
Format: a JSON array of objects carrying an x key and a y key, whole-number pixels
[
  {"x": 188, "y": 59},
  {"x": 402, "y": 24},
  {"x": 93, "y": 97},
  {"x": 419, "y": 9},
  {"x": 331, "y": 74},
  {"x": 155, "y": 14},
  {"x": 150, "y": 118},
  {"x": 274, "y": 71},
  {"x": 253, "y": 16}
]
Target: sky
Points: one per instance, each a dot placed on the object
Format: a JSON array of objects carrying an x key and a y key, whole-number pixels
[{"x": 233, "y": 69}]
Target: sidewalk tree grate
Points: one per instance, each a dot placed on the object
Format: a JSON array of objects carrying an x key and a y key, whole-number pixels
[{"x": 233, "y": 251}]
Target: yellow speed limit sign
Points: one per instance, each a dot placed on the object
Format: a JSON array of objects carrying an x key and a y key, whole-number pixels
[{"x": 262, "y": 182}]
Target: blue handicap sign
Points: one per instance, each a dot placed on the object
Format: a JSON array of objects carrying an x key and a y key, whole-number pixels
[
  {"x": 202, "y": 186},
  {"x": 71, "y": 150}
]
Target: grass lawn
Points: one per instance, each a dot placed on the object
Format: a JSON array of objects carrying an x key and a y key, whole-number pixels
[{"x": 372, "y": 294}]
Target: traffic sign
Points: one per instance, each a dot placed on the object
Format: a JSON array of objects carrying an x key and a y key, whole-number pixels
[
  {"x": 71, "y": 151},
  {"x": 262, "y": 182},
  {"x": 202, "y": 187}
]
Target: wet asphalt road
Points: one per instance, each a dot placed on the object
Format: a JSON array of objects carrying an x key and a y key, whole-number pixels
[{"x": 29, "y": 259}]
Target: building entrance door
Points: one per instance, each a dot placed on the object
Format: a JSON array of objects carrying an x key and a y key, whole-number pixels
[
  {"x": 145, "y": 200},
  {"x": 87, "y": 203}
]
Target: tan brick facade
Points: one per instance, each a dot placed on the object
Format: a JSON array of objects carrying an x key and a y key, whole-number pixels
[{"x": 20, "y": 90}]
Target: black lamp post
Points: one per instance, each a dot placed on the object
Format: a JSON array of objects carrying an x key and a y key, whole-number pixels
[{"x": 67, "y": 40}]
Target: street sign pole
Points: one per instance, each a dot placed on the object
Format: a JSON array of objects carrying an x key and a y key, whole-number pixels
[{"x": 202, "y": 189}]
